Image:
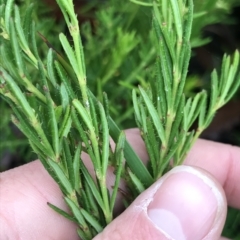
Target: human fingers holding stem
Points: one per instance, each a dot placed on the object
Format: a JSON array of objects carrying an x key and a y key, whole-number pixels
[
  {"x": 189, "y": 202},
  {"x": 192, "y": 199}
]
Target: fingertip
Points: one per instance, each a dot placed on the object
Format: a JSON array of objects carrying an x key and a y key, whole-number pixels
[
  {"x": 189, "y": 204},
  {"x": 186, "y": 203},
  {"x": 24, "y": 209}
]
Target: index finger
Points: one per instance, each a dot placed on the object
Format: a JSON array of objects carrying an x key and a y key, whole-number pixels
[{"x": 221, "y": 160}]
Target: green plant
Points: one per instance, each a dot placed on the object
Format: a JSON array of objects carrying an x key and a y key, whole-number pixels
[
  {"x": 232, "y": 224},
  {"x": 62, "y": 118},
  {"x": 12, "y": 142},
  {"x": 132, "y": 66},
  {"x": 126, "y": 53},
  {"x": 207, "y": 13}
]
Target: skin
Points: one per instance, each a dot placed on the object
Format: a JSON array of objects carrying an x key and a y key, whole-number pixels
[{"x": 24, "y": 192}]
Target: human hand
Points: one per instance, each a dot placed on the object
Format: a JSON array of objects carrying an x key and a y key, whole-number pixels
[{"x": 186, "y": 201}]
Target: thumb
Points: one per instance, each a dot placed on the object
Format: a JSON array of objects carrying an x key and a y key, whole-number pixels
[{"x": 187, "y": 203}]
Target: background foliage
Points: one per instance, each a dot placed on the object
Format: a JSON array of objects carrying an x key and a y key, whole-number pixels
[{"x": 105, "y": 23}]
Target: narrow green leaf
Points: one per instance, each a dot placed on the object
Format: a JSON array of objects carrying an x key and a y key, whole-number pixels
[
  {"x": 20, "y": 65},
  {"x": 28, "y": 131},
  {"x": 196, "y": 107},
  {"x": 106, "y": 104},
  {"x": 64, "y": 96},
  {"x": 85, "y": 203},
  {"x": 67, "y": 10},
  {"x": 19, "y": 28},
  {"x": 189, "y": 21},
  {"x": 236, "y": 59},
  {"x": 143, "y": 119},
  {"x": 27, "y": 21},
  {"x": 67, "y": 68},
  {"x": 63, "y": 162},
  {"x": 83, "y": 113},
  {"x": 161, "y": 98},
  {"x": 76, "y": 167},
  {"x": 234, "y": 66},
  {"x": 153, "y": 113},
  {"x": 65, "y": 124},
  {"x": 202, "y": 114},
  {"x": 137, "y": 183},
  {"x": 2, "y": 10},
  {"x": 18, "y": 94},
  {"x": 105, "y": 140},
  {"x": 50, "y": 68},
  {"x": 33, "y": 44},
  {"x": 83, "y": 135},
  {"x": 224, "y": 60},
  {"x": 79, "y": 53},
  {"x": 90, "y": 219},
  {"x": 182, "y": 80},
  {"x": 62, "y": 6},
  {"x": 8, "y": 63},
  {"x": 177, "y": 17},
  {"x": 178, "y": 119},
  {"x": 234, "y": 88},
  {"x": 15, "y": 47},
  {"x": 187, "y": 107},
  {"x": 51, "y": 112},
  {"x": 162, "y": 32},
  {"x": 171, "y": 152},
  {"x": 69, "y": 52},
  {"x": 92, "y": 186},
  {"x": 69, "y": 161},
  {"x": 33, "y": 133},
  {"x": 150, "y": 153},
  {"x": 224, "y": 73},
  {"x": 166, "y": 71},
  {"x": 91, "y": 201},
  {"x": 186, "y": 147},
  {"x": 119, "y": 155},
  {"x": 8, "y": 10},
  {"x": 94, "y": 116},
  {"x": 61, "y": 212},
  {"x": 62, "y": 178},
  {"x": 64, "y": 78},
  {"x": 154, "y": 141},
  {"x": 214, "y": 89},
  {"x": 136, "y": 108},
  {"x": 143, "y": 3},
  {"x": 133, "y": 161},
  {"x": 209, "y": 120},
  {"x": 78, "y": 215},
  {"x": 227, "y": 85},
  {"x": 42, "y": 158},
  {"x": 185, "y": 122},
  {"x": 58, "y": 113}
]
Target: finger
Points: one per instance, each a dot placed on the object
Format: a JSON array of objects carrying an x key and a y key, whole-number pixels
[
  {"x": 221, "y": 160},
  {"x": 195, "y": 208},
  {"x": 24, "y": 213},
  {"x": 42, "y": 189}
]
